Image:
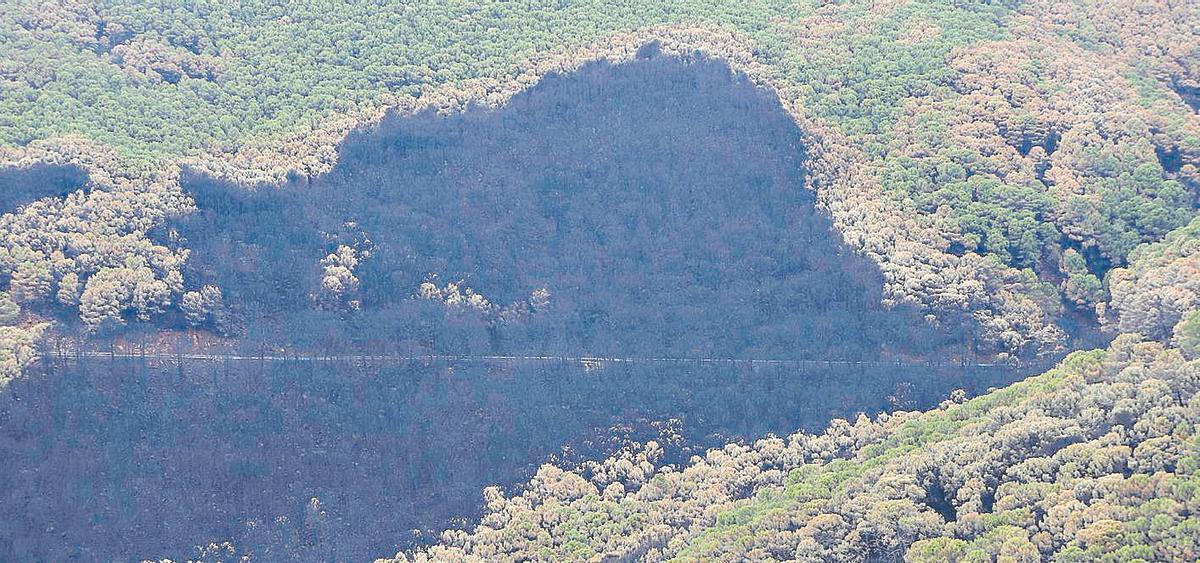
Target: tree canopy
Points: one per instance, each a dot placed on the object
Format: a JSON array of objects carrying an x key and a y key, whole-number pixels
[{"x": 965, "y": 147}]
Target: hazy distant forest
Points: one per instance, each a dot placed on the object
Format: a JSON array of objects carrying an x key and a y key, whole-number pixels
[{"x": 913, "y": 184}]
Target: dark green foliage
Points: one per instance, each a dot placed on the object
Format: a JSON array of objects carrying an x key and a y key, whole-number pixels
[
  {"x": 1136, "y": 205},
  {"x": 1187, "y": 333},
  {"x": 1081, "y": 286}
]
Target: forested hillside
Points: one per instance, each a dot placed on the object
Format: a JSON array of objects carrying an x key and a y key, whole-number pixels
[
  {"x": 983, "y": 182},
  {"x": 992, "y": 158},
  {"x": 648, "y": 209},
  {"x": 1095, "y": 460}
]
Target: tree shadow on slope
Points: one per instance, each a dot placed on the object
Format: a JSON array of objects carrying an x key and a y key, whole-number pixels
[
  {"x": 124, "y": 460},
  {"x": 20, "y": 186},
  {"x": 660, "y": 206},
  {"x": 649, "y": 208}
]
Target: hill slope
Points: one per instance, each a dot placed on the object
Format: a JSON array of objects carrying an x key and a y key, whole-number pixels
[{"x": 1097, "y": 459}]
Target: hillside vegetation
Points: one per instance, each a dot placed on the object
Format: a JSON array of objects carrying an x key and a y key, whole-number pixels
[
  {"x": 647, "y": 209},
  {"x": 1024, "y": 167},
  {"x": 1095, "y": 460},
  {"x": 993, "y": 158}
]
